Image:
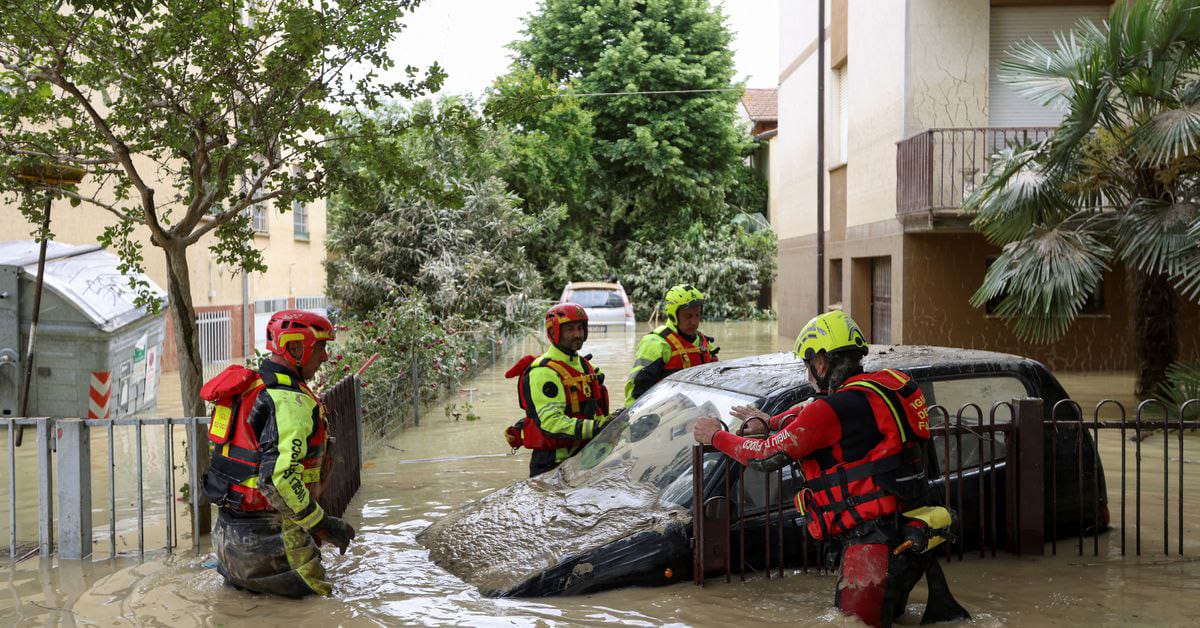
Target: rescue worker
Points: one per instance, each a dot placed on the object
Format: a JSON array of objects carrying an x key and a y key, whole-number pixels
[
  {"x": 672, "y": 347},
  {"x": 269, "y": 434},
  {"x": 562, "y": 394},
  {"x": 861, "y": 450}
]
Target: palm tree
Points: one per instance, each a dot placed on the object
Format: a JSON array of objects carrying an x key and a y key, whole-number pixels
[{"x": 1117, "y": 182}]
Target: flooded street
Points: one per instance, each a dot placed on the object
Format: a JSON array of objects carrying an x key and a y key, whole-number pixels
[{"x": 422, "y": 473}]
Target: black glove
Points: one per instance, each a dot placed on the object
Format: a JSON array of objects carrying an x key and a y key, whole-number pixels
[{"x": 335, "y": 531}]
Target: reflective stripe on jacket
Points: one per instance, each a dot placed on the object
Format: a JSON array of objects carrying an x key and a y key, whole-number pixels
[{"x": 271, "y": 456}]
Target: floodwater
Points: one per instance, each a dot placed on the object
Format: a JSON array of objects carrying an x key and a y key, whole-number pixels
[{"x": 422, "y": 473}]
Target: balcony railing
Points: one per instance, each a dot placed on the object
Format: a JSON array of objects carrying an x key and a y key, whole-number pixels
[{"x": 937, "y": 169}]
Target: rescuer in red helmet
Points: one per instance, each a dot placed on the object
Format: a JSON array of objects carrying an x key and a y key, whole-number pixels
[
  {"x": 562, "y": 394},
  {"x": 269, "y": 435}
]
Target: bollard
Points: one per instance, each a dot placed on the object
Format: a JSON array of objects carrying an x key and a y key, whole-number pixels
[
  {"x": 1026, "y": 479},
  {"x": 74, "y": 490}
]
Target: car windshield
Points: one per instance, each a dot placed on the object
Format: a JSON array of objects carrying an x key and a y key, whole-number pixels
[
  {"x": 596, "y": 298},
  {"x": 653, "y": 438}
]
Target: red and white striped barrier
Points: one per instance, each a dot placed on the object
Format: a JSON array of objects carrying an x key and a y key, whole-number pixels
[{"x": 99, "y": 395}]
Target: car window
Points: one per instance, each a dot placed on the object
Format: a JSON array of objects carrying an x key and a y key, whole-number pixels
[
  {"x": 597, "y": 298},
  {"x": 653, "y": 439},
  {"x": 951, "y": 394}
]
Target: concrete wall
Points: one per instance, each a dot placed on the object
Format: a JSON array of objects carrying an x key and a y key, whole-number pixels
[
  {"x": 946, "y": 64},
  {"x": 937, "y": 310}
]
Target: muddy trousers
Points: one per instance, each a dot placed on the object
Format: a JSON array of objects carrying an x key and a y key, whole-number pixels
[
  {"x": 873, "y": 585},
  {"x": 265, "y": 552},
  {"x": 541, "y": 461}
]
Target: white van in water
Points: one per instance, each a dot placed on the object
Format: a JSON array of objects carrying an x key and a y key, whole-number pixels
[{"x": 605, "y": 303}]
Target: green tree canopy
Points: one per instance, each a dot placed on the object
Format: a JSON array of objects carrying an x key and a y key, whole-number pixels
[
  {"x": 624, "y": 113},
  {"x": 1118, "y": 181},
  {"x": 184, "y": 113}
]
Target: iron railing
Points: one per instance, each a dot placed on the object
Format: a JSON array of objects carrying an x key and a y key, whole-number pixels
[
  {"x": 937, "y": 169},
  {"x": 1012, "y": 490},
  {"x": 69, "y": 442}
]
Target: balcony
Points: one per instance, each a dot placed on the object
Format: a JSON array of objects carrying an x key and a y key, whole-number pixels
[{"x": 937, "y": 169}]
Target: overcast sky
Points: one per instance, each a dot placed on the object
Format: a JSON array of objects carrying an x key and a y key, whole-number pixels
[{"x": 468, "y": 38}]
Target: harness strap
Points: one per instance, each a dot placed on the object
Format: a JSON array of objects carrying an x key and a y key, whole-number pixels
[
  {"x": 859, "y": 472},
  {"x": 896, "y": 415}
]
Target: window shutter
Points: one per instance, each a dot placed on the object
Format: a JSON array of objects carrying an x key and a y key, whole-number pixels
[{"x": 1007, "y": 108}]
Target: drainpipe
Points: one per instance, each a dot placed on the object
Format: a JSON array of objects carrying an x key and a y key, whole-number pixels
[{"x": 820, "y": 156}]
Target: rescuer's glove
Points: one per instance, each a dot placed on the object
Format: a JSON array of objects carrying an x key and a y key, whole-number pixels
[{"x": 335, "y": 531}]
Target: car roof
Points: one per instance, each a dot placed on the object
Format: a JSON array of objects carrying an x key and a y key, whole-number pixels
[
  {"x": 589, "y": 285},
  {"x": 762, "y": 375}
]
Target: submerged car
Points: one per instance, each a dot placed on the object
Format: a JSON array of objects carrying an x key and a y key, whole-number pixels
[
  {"x": 606, "y": 304},
  {"x": 619, "y": 512}
]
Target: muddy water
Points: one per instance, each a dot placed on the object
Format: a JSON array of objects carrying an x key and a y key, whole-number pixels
[{"x": 413, "y": 480}]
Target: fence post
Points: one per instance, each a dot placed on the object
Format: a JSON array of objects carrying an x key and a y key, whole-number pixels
[
  {"x": 45, "y": 489},
  {"x": 358, "y": 414},
  {"x": 75, "y": 489},
  {"x": 1026, "y": 479}
]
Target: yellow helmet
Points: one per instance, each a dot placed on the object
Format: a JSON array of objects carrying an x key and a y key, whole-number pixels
[
  {"x": 829, "y": 333},
  {"x": 683, "y": 295}
]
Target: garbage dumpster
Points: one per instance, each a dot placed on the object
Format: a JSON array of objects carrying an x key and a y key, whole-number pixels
[{"x": 96, "y": 353}]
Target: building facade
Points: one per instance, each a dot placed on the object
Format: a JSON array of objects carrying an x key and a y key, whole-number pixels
[
  {"x": 914, "y": 107},
  {"x": 293, "y": 248}
]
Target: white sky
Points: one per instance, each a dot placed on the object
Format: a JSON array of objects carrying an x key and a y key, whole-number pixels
[{"x": 468, "y": 39}]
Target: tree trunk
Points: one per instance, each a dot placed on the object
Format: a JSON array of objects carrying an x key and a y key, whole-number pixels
[
  {"x": 187, "y": 338},
  {"x": 187, "y": 348},
  {"x": 1155, "y": 329}
]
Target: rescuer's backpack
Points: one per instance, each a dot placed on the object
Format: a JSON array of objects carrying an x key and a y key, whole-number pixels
[{"x": 225, "y": 392}]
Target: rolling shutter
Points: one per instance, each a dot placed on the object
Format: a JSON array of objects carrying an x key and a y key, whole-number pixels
[{"x": 1006, "y": 108}]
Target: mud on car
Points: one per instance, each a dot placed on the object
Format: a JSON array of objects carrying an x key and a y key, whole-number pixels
[{"x": 618, "y": 513}]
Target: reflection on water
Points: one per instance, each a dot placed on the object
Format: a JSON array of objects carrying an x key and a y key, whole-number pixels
[{"x": 386, "y": 578}]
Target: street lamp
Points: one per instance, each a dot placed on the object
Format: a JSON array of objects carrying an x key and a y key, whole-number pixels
[{"x": 49, "y": 176}]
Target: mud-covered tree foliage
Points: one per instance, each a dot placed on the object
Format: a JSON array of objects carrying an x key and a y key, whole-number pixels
[
  {"x": 184, "y": 113},
  {"x": 424, "y": 209},
  {"x": 427, "y": 264},
  {"x": 1118, "y": 181},
  {"x": 638, "y": 172}
]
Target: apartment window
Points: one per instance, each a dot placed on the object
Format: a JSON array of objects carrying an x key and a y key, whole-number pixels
[
  {"x": 881, "y": 300},
  {"x": 299, "y": 220},
  {"x": 842, "y": 78},
  {"x": 835, "y": 283},
  {"x": 1094, "y": 306},
  {"x": 258, "y": 218}
]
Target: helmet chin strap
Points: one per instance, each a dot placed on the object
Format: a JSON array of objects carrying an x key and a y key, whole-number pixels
[{"x": 822, "y": 380}]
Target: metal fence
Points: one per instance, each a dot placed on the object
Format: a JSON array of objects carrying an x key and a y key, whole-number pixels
[
  {"x": 1020, "y": 478},
  {"x": 154, "y": 479},
  {"x": 216, "y": 341},
  {"x": 939, "y": 168}
]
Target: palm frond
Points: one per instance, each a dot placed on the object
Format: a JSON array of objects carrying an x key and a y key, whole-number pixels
[
  {"x": 1183, "y": 383},
  {"x": 1045, "y": 76},
  {"x": 1017, "y": 195},
  {"x": 1044, "y": 280},
  {"x": 1168, "y": 136},
  {"x": 1153, "y": 235},
  {"x": 1187, "y": 275}
]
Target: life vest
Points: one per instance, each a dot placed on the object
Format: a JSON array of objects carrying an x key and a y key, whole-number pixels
[
  {"x": 840, "y": 495},
  {"x": 232, "y": 477},
  {"x": 684, "y": 353},
  {"x": 586, "y": 395}
]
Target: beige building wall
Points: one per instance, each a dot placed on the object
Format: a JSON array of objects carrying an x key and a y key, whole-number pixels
[
  {"x": 912, "y": 65},
  {"x": 946, "y": 64},
  {"x": 294, "y": 264}
]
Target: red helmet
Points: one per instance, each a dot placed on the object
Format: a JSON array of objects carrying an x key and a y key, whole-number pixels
[
  {"x": 564, "y": 313},
  {"x": 288, "y": 326}
]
